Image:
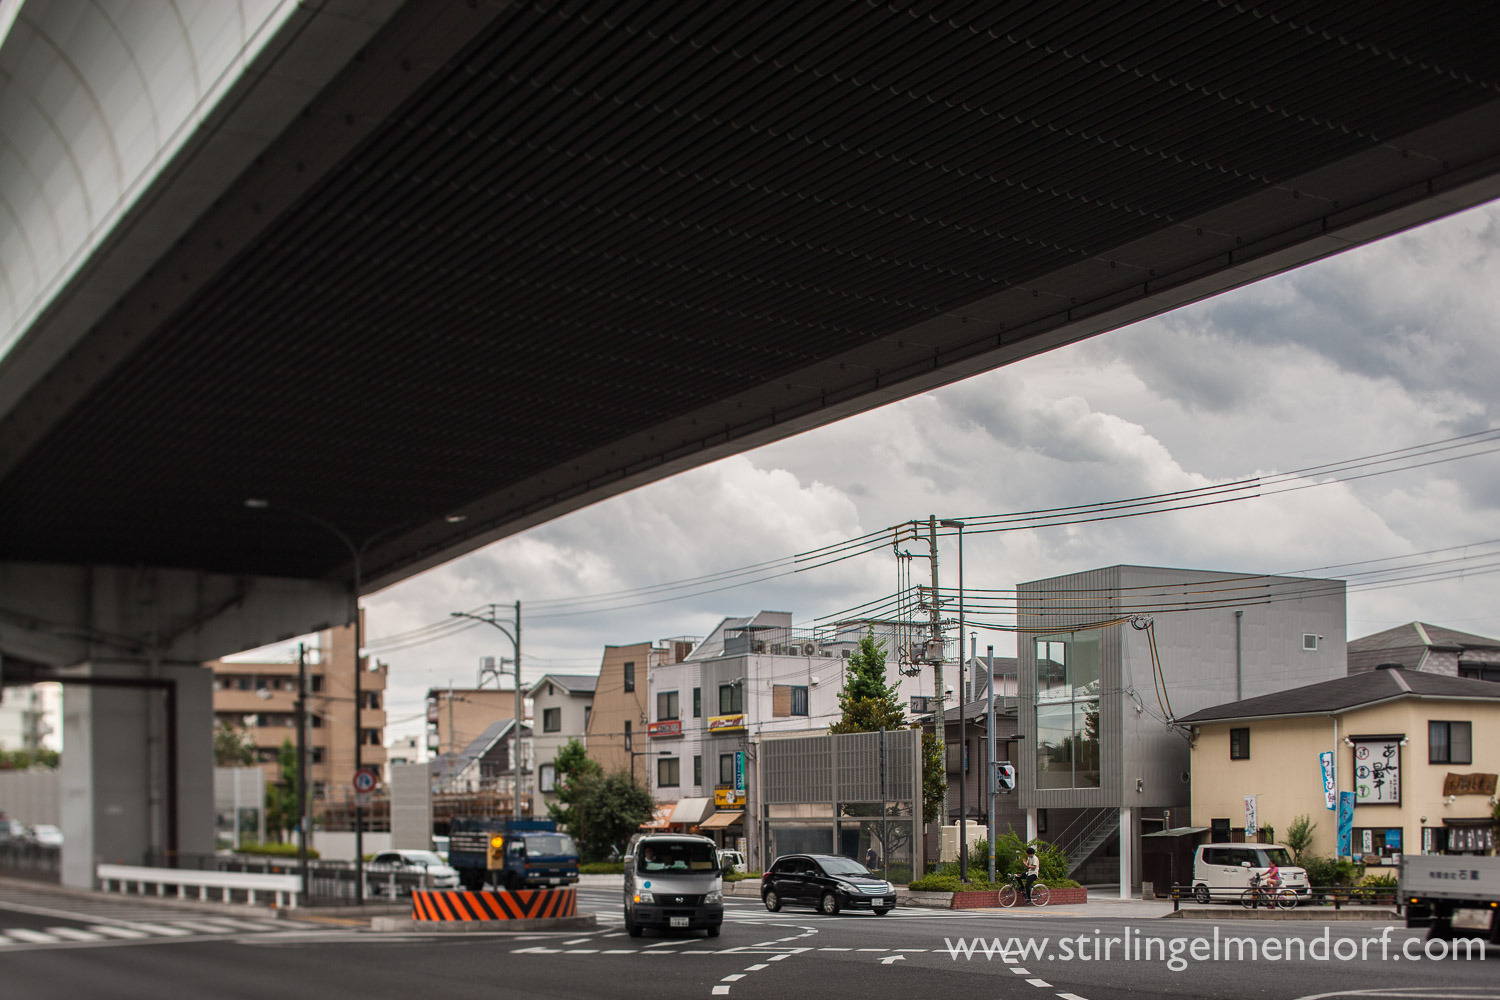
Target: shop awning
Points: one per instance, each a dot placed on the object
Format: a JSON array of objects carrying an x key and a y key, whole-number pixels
[
  {"x": 690, "y": 812},
  {"x": 723, "y": 819},
  {"x": 662, "y": 819}
]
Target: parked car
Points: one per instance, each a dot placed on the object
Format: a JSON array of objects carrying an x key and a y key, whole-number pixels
[
  {"x": 731, "y": 861},
  {"x": 47, "y": 835},
  {"x": 1222, "y": 871},
  {"x": 826, "y": 882},
  {"x": 674, "y": 882},
  {"x": 439, "y": 875},
  {"x": 11, "y": 830}
]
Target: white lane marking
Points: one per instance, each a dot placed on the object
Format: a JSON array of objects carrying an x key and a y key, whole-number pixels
[
  {"x": 1020, "y": 971},
  {"x": 616, "y": 934},
  {"x": 720, "y": 990},
  {"x": 618, "y": 951},
  {"x": 581, "y": 951},
  {"x": 161, "y": 929},
  {"x": 74, "y": 934},
  {"x": 576, "y": 940},
  {"x": 911, "y": 950},
  {"x": 194, "y": 927},
  {"x": 245, "y": 925},
  {"x": 862, "y": 949},
  {"x": 119, "y": 932},
  {"x": 733, "y": 977},
  {"x": 835, "y": 949},
  {"x": 1040, "y": 982},
  {"x": 1070, "y": 996},
  {"x": 660, "y": 944},
  {"x": 777, "y": 958},
  {"x": 756, "y": 967},
  {"x": 892, "y": 958},
  {"x": 655, "y": 952},
  {"x": 31, "y": 937}
]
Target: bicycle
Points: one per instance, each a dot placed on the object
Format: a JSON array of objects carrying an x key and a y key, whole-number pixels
[
  {"x": 1013, "y": 891},
  {"x": 1282, "y": 897}
]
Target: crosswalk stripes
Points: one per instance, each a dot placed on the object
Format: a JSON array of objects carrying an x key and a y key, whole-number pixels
[{"x": 135, "y": 931}]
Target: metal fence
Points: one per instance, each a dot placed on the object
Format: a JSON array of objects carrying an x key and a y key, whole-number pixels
[
  {"x": 1335, "y": 896},
  {"x": 23, "y": 859}
]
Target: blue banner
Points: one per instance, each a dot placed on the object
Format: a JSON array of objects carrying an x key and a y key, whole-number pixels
[{"x": 1346, "y": 824}]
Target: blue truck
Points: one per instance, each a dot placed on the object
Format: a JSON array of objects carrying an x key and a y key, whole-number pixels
[{"x": 511, "y": 854}]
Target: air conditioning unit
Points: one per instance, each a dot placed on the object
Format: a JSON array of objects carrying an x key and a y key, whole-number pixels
[
  {"x": 759, "y": 646},
  {"x": 778, "y": 649},
  {"x": 847, "y": 653},
  {"x": 808, "y": 649}
]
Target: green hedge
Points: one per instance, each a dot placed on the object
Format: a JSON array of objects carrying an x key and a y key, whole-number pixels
[
  {"x": 952, "y": 883},
  {"x": 273, "y": 850},
  {"x": 602, "y": 868},
  {"x": 740, "y": 876}
]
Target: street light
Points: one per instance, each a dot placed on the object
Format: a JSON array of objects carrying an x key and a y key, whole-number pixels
[
  {"x": 515, "y": 639},
  {"x": 357, "y": 555},
  {"x": 963, "y": 735}
]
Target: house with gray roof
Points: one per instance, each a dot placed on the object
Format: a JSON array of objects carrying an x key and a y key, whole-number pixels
[
  {"x": 1429, "y": 649},
  {"x": 561, "y": 705}
]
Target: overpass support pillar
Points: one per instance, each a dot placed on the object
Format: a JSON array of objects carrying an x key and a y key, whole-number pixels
[{"x": 137, "y": 765}]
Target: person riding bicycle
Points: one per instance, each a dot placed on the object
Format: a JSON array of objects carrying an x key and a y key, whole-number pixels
[
  {"x": 1271, "y": 880},
  {"x": 1032, "y": 873}
]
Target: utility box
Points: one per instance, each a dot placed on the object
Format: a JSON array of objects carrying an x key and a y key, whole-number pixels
[{"x": 948, "y": 847}]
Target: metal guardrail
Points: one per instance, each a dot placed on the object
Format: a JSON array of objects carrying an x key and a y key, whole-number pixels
[
  {"x": 1336, "y": 896},
  {"x": 228, "y": 886},
  {"x": 329, "y": 882}
]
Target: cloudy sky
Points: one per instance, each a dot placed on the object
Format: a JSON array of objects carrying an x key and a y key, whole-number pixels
[{"x": 1387, "y": 346}]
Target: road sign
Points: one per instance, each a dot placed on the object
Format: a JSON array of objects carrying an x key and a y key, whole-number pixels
[{"x": 364, "y": 780}]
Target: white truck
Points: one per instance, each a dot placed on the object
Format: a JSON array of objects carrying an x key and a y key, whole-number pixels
[{"x": 1434, "y": 887}]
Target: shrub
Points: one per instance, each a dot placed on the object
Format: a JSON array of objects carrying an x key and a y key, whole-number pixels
[
  {"x": 740, "y": 876},
  {"x": 602, "y": 868},
  {"x": 1324, "y": 872},
  {"x": 936, "y": 883}
]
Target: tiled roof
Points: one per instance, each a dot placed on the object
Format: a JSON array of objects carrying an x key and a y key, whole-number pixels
[{"x": 1344, "y": 693}]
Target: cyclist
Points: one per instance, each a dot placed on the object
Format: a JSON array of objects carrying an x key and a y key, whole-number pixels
[
  {"x": 1033, "y": 871},
  {"x": 1271, "y": 881}
]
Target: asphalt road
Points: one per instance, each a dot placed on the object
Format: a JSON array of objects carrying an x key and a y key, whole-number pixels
[{"x": 55, "y": 946}]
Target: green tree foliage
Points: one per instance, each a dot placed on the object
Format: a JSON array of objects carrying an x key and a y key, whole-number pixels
[
  {"x": 281, "y": 797},
  {"x": 606, "y": 810},
  {"x": 25, "y": 760},
  {"x": 233, "y": 747},
  {"x": 868, "y": 701},
  {"x": 934, "y": 777},
  {"x": 574, "y": 766}
]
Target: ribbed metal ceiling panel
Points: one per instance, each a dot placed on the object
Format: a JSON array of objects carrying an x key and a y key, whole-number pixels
[{"x": 607, "y": 215}]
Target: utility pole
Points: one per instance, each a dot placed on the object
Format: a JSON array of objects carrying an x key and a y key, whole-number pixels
[
  {"x": 935, "y": 653},
  {"x": 452, "y": 747},
  {"x": 989, "y": 754},
  {"x": 514, "y": 634},
  {"x": 301, "y": 772}
]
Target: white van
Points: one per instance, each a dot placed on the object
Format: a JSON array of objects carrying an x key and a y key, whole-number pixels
[
  {"x": 673, "y": 881},
  {"x": 1222, "y": 871}
]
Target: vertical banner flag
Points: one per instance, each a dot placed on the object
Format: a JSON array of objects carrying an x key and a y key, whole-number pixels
[
  {"x": 739, "y": 771},
  {"x": 1251, "y": 825},
  {"x": 1330, "y": 797},
  {"x": 1346, "y": 823}
]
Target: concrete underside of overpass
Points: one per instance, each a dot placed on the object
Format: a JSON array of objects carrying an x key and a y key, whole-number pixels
[{"x": 416, "y": 261}]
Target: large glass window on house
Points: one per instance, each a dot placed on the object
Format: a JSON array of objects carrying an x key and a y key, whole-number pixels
[
  {"x": 1067, "y": 710},
  {"x": 666, "y": 705},
  {"x": 731, "y": 699}
]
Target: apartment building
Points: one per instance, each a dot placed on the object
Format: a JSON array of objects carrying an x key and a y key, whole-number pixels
[
  {"x": 562, "y": 705},
  {"x": 456, "y": 717},
  {"x": 617, "y": 723},
  {"x": 261, "y": 698}
]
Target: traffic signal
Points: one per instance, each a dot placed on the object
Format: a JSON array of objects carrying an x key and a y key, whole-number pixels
[{"x": 1005, "y": 776}]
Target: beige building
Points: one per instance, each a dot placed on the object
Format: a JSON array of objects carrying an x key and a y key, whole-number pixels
[
  {"x": 616, "y": 732},
  {"x": 456, "y": 717},
  {"x": 262, "y": 699},
  {"x": 1420, "y": 751}
]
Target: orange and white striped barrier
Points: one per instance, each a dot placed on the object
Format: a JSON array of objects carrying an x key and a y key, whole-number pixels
[{"x": 523, "y": 904}]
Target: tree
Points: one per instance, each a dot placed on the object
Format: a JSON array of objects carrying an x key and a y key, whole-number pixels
[
  {"x": 868, "y": 702},
  {"x": 606, "y": 810},
  {"x": 233, "y": 747},
  {"x": 934, "y": 777},
  {"x": 281, "y": 797},
  {"x": 574, "y": 765}
]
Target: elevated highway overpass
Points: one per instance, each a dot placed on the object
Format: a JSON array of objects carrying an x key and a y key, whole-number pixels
[{"x": 437, "y": 271}]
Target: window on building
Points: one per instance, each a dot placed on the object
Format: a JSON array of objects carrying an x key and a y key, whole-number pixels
[
  {"x": 697, "y": 703},
  {"x": 1219, "y": 830},
  {"x": 953, "y": 759},
  {"x": 372, "y": 700},
  {"x": 1450, "y": 743},
  {"x": 1309, "y": 641},
  {"x": 550, "y": 692},
  {"x": 546, "y": 778},
  {"x": 315, "y": 683},
  {"x": 588, "y": 715},
  {"x": 1041, "y": 821},
  {"x": 668, "y": 772},
  {"x": 726, "y": 769},
  {"x": 1067, "y": 710},
  {"x": 315, "y": 721},
  {"x": 372, "y": 737},
  {"x": 788, "y": 700},
  {"x": 1239, "y": 743},
  {"x": 697, "y": 770},
  {"x": 1384, "y": 841},
  {"x": 629, "y": 743},
  {"x": 799, "y": 700},
  {"x": 731, "y": 699},
  {"x": 630, "y": 676},
  {"x": 317, "y": 755},
  {"x": 666, "y": 705},
  {"x": 552, "y": 720},
  {"x": 1480, "y": 673},
  {"x": 244, "y": 683}
]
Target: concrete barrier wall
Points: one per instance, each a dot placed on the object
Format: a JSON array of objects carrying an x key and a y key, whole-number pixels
[{"x": 31, "y": 796}]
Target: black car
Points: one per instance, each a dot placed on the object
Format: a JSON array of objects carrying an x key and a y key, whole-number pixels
[{"x": 825, "y": 882}]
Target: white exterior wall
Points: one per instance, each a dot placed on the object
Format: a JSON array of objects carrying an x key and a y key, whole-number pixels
[
  {"x": 545, "y": 745},
  {"x": 682, "y": 678}
]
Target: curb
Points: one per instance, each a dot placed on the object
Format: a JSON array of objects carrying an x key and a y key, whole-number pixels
[
  {"x": 1324, "y": 914},
  {"x": 584, "y": 921}
]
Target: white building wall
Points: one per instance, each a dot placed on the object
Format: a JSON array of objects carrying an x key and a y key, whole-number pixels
[{"x": 572, "y": 725}]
